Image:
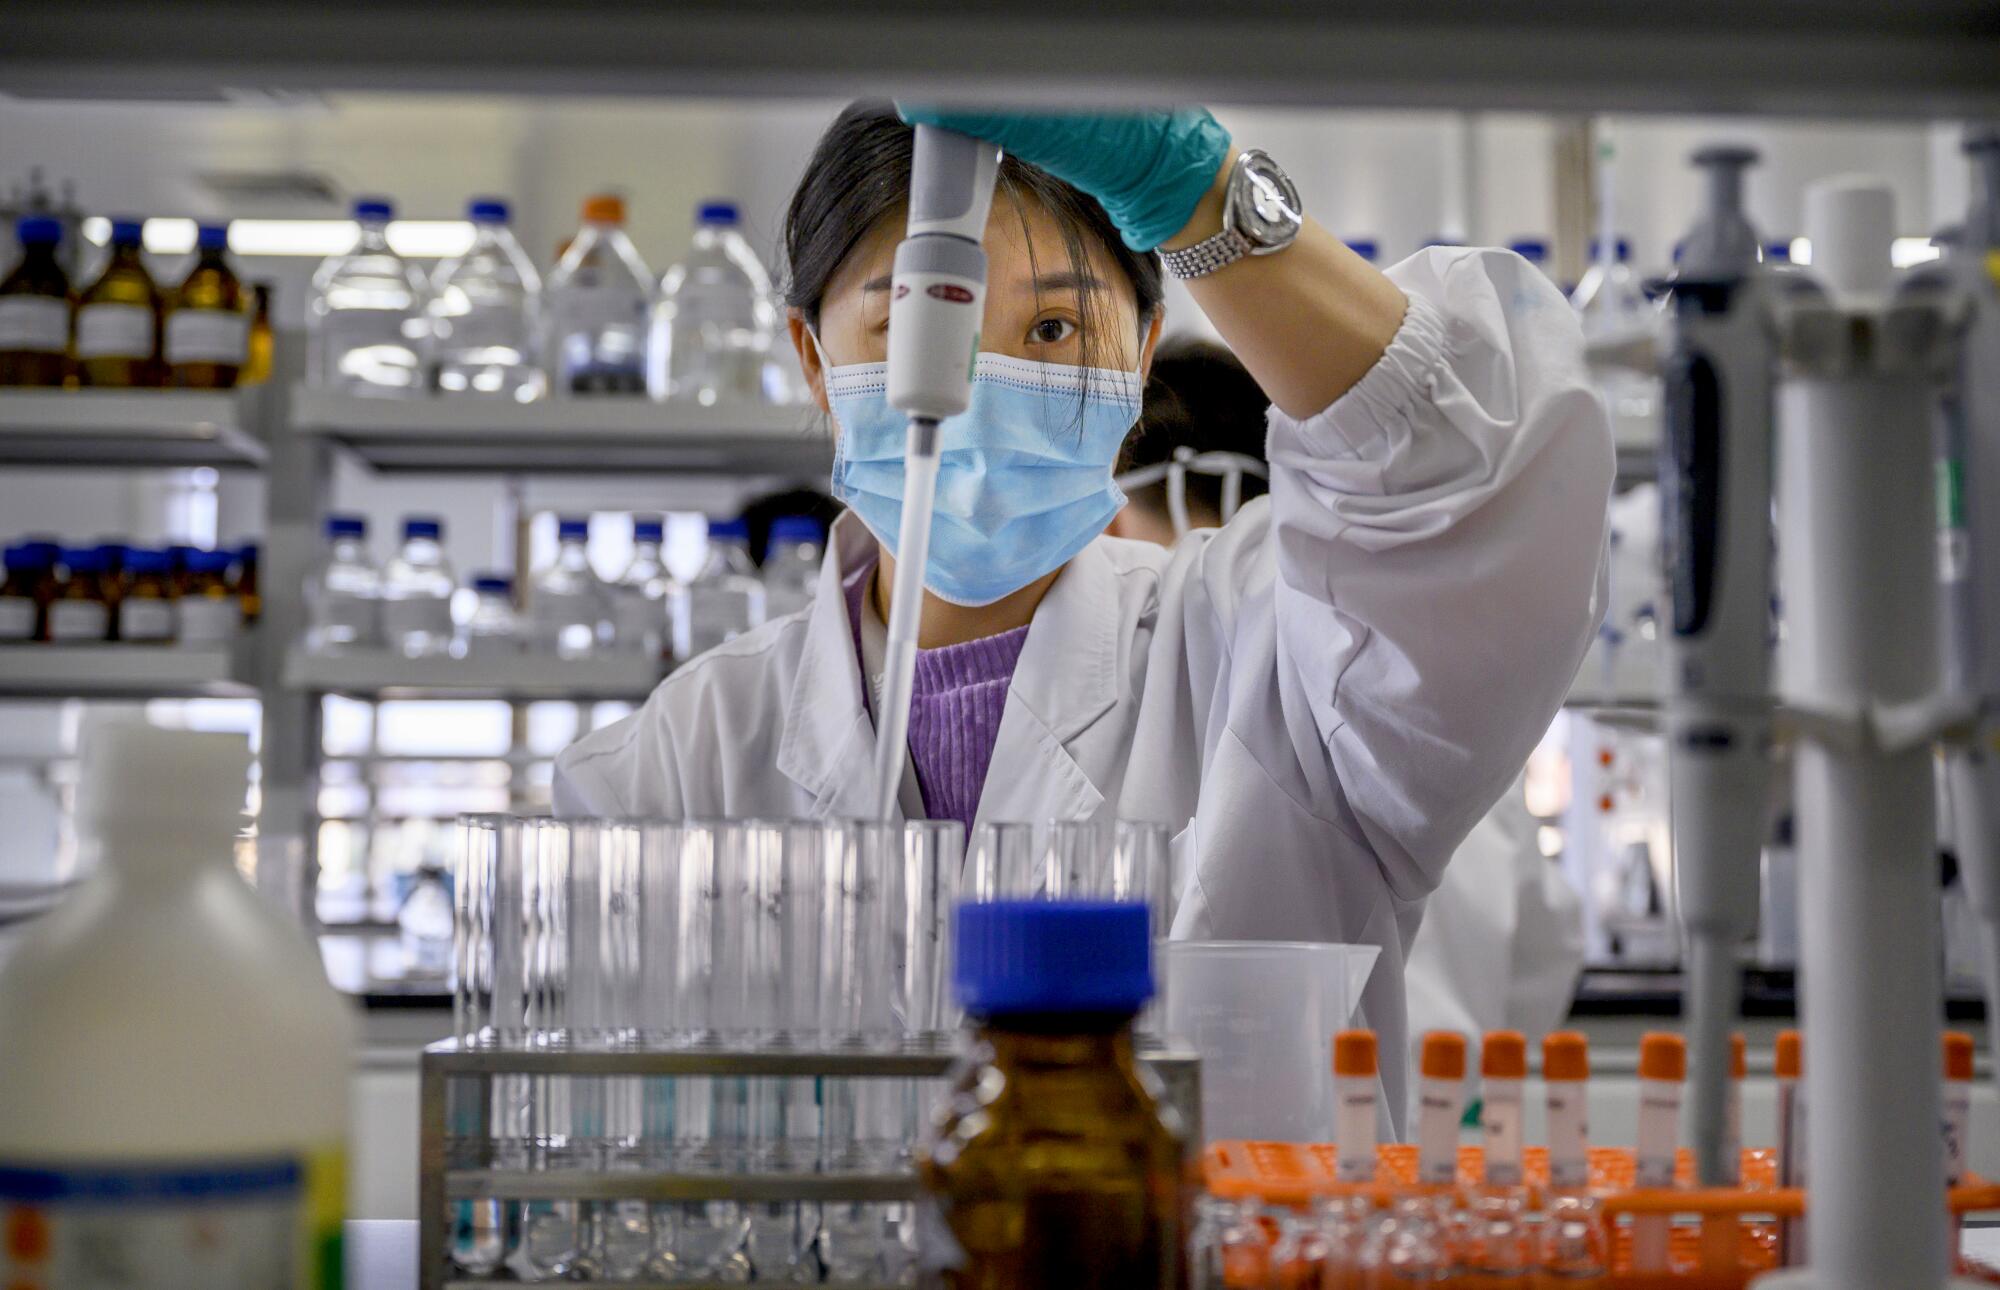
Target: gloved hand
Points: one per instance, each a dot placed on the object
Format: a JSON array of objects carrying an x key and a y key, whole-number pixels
[{"x": 1149, "y": 170}]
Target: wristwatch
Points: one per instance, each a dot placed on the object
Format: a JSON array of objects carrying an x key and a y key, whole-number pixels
[{"x": 1261, "y": 213}]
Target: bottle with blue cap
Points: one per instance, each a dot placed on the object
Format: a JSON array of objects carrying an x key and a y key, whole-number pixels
[
  {"x": 344, "y": 594},
  {"x": 1612, "y": 306},
  {"x": 791, "y": 564},
  {"x": 35, "y": 308},
  {"x": 81, "y": 611},
  {"x": 569, "y": 604},
  {"x": 25, "y": 592},
  {"x": 208, "y": 326},
  {"x": 207, "y": 613},
  {"x": 484, "y": 309},
  {"x": 146, "y": 609},
  {"x": 493, "y": 628},
  {"x": 725, "y": 599},
  {"x": 118, "y": 318},
  {"x": 1051, "y": 1163},
  {"x": 599, "y": 298},
  {"x": 417, "y": 585},
  {"x": 712, "y": 330},
  {"x": 642, "y": 593},
  {"x": 365, "y": 322}
]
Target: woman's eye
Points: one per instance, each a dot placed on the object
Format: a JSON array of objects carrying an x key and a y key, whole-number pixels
[{"x": 1052, "y": 331}]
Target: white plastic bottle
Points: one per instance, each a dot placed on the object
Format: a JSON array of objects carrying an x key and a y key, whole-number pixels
[
  {"x": 725, "y": 599},
  {"x": 712, "y": 329},
  {"x": 176, "y": 1066},
  {"x": 485, "y": 307},
  {"x": 417, "y": 585},
  {"x": 598, "y": 301},
  {"x": 493, "y": 628},
  {"x": 640, "y": 594},
  {"x": 366, "y": 320},
  {"x": 343, "y": 600},
  {"x": 791, "y": 564},
  {"x": 569, "y": 604}
]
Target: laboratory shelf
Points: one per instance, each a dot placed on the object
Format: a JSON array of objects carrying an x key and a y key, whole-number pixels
[
  {"x": 128, "y": 428},
  {"x": 384, "y": 674},
  {"x": 600, "y": 436},
  {"x": 122, "y": 672}
]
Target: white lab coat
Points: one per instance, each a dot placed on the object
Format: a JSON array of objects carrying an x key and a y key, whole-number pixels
[{"x": 1322, "y": 697}]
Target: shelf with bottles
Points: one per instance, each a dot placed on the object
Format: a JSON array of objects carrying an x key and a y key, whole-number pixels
[
  {"x": 126, "y": 671},
  {"x": 599, "y": 435}
]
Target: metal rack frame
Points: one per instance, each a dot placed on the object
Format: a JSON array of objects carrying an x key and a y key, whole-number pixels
[{"x": 439, "y": 1183}]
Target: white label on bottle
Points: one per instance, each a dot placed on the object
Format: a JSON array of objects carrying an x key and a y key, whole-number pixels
[
  {"x": 1569, "y": 1135},
  {"x": 417, "y": 616},
  {"x": 114, "y": 331},
  {"x": 17, "y": 618},
  {"x": 1439, "y": 1107},
  {"x": 79, "y": 620},
  {"x": 1659, "y": 1126},
  {"x": 146, "y": 620},
  {"x": 1501, "y": 1120},
  {"x": 208, "y": 620},
  {"x": 38, "y": 324},
  {"x": 172, "y": 1226},
  {"x": 1354, "y": 1127},
  {"x": 1957, "y": 1125},
  {"x": 207, "y": 336}
]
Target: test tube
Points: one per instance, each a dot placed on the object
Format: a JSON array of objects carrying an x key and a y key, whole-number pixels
[
  {"x": 1001, "y": 862},
  {"x": 1355, "y": 1076},
  {"x": 1662, "y": 1069},
  {"x": 1788, "y": 1064},
  {"x": 1076, "y": 862},
  {"x": 1566, "y": 1076},
  {"x": 1958, "y": 1050},
  {"x": 1503, "y": 1064},
  {"x": 1440, "y": 1106}
]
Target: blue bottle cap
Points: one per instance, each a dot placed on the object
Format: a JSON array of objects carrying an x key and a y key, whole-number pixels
[
  {"x": 37, "y": 230},
  {"x": 114, "y": 554},
  {"x": 344, "y": 526},
  {"x": 212, "y": 237},
  {"x": 1365, "y": 247},
  {"x": 140, "y": 560},
  {"x": 373, "y": 208},
  {"x": 648, "y": 530},
  {"x": 247, "y": 552},
  {"x": 493, "y": 584},
  {"x": 1053, "y": 956},
  {"x": 486, "y": 210},
  {"x": 736, "y": 530},
  {"x": 1532, "y": 249},
  {"x": 571, "y": 528},
  {"x": 1781, "y": 252},
  {"x": 422, "y": 526},
  {"x": 84, "y": 559},
  {"x": 796, "y": 528},
  {"x": 716, "y": 211},
  {"x": 211, "y": 561},
  {"x": 128, "y": 232},
  {"x": 1623, "y": 248},
  {"x": 29, "y": 555}
]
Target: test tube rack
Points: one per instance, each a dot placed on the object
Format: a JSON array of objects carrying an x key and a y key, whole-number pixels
[{"x": 456, "y": 1096}]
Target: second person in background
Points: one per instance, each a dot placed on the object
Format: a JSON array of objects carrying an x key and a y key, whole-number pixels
[{"x": 1322, "y": 696}]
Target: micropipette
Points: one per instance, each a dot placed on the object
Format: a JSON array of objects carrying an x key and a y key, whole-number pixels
[
  {"x": 1715, "y": 494},
  {"x": 936, "y": 302}
]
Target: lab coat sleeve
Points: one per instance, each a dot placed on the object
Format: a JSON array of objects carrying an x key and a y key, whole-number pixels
[{"x": 1439, "y": 532}]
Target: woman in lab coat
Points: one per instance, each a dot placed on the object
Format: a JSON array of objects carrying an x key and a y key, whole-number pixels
[{"x": 1321, "y": 697}]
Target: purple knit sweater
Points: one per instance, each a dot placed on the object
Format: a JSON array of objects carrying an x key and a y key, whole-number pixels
[{"x": 955, "y": 708}]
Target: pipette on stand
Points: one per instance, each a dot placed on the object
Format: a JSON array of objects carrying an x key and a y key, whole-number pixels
[
  {"x": 1715, "y": 493},
  {"x": 936, "y": 302}
]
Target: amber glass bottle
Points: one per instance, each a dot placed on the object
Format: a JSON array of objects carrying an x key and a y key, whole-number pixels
[
  {"x": 35, "y": 309},
  {"x": 81, "y": 611},
  {"x": 26, "y": 591},
  {"x": 208, "y": 323},
  {"x": 257, "y": 368},
  {"x": 1051, "y": 1162},
  {"x": 146, "y": 611},
  {"x": 118, "y": 319}
]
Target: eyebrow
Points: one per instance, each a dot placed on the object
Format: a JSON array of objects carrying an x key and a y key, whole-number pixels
[{"x": 1064, "y": 280}]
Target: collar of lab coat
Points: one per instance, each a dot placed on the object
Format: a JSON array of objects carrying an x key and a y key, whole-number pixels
[{"x": 1065, "y": 682}]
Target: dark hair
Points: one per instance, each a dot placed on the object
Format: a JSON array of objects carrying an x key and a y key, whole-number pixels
[
  {"x": 860, "y": 174},
  {"x": 1199, "y": 396}
]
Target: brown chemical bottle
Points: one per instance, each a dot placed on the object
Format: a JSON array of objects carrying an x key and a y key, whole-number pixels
[
  {"x": 1050, "y": 1164},
  {"x": 82, "y": 608},
  {"x": 26, "y": 591},
  {"x": 118, "y": 319},
  {"x": 146, "y": 610},
  {"x": 257, "y": 368},
  {"x": 35, "y": 306},
  {"x": 245, "y": 586},
  {"x": 208, "y": 322}
]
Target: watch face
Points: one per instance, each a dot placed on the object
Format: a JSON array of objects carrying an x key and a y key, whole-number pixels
[{"x": 1270, "y": 210}]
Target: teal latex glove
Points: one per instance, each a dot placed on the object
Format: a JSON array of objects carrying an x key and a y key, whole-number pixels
[{"x": 1148, "y": 170}]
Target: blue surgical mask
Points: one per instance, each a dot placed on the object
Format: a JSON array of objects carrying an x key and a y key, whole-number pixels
[{"x": 1024, "y": 474}]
